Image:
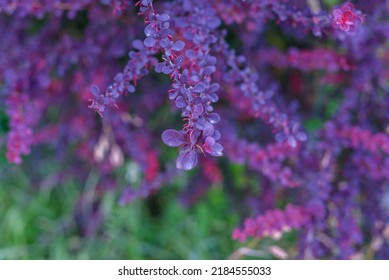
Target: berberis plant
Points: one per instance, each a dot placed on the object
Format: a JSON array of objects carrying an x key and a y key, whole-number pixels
[{"x": 292, "y": 93}]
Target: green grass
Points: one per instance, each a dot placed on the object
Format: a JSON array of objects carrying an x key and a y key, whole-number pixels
[{"x": 37, "y": 222}]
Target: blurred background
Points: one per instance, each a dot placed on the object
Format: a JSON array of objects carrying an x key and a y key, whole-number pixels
[
  {"x": 38, "y": 221},
  {"x": 108, "y": 188}
]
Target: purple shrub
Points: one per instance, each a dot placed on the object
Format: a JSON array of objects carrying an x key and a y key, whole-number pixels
[{"x": 296, "y": 92}]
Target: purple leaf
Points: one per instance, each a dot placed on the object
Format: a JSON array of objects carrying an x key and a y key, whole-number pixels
[
  {"x": 200, "y": 124},
  {"x": 213, "y": 97},
  {"x": 178, "y": 46},
  {"x": 159, "y": 66},
  {"x": 209, "y": 70},
  {"x": 164, "y": 43},
  {"x": 301, "y": 136},
  {"x": 187, "y": 160},
  {"x": 216, "y": 135},
  {"x": 149, "y": 30},
  {"x": 292, "y": 141},
  {"x": 214, "y": 22},
  {"x": 210, "y": 141},
  {"x": 180, "y": 102},
  {"x": 199, "y": 88},
  {"x": 216, "y": 150},
  {"x": 208, "y": 129},
  {"x": 214, "y": 118},
  {"x": 280, "y": 136},
  {"x": 198, "y": 109},
  {"x": 146, "y": 2},
  {"x": 191, "y": 54},
  {"x": 173, "y": 94},
  {"x": 173, "y": 138},
  {"x": 214, "y": 87},
  {"x": 131, "y": 88},
  {"x": 194, "y": 135},
  {"x": 95, "y": 90},
  {"x": 179, "y": 60},
  {"x": 149, "y": 42},
  {"x": 137, "y": 44},
  {"x": 163, "y": 17},
  {"x": 119, "y": 77},
  {"x": 167, "y": 70},
  {"x": 164, "y": 33}
]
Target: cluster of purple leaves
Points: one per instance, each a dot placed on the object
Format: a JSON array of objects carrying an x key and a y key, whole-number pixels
[
  {"x": 39, "y": 8},
  {"x": 250, "y": 103},
  {"x": 273, "y": 223}
]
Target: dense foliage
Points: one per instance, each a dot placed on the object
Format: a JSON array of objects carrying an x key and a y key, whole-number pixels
[{"x": 282, "y": 103}]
